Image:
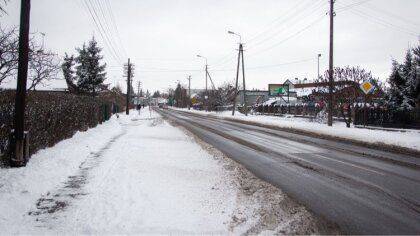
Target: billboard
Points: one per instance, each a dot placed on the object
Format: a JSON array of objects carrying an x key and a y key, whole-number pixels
[{"x": 278, "y": 90}]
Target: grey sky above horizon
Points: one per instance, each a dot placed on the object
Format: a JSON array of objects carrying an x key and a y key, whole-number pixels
[{"x": 282, "y": 38}]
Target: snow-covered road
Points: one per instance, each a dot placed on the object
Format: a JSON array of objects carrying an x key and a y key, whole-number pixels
[{"x": 138, "y": 174}]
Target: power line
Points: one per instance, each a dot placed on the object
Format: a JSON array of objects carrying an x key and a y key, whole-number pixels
[
  {"x": 290, "y": 37},
  {"x": 313, "y": 8},
  {"x": 376, "y": 19},
  {"x": 103, "y": 28},
  {"x": 89, "y": 11},
  {"x": 115, "y": 26},
  {"x": 343, "y": 8},
  {"x": 92, "y": 12},
  {"x": 282, "y": 64},
  {"x": 291, "y": 21},
  {"x": 291, "y": 14},
  {"x": 107, "y": 26},
  {"x": 291, "y": 11},
  {"x": 391, "y": 15},
  {"x": 225, "y": 58},
  {"x": 383, "y": 22},
  {"x": 165, "y": 70}
]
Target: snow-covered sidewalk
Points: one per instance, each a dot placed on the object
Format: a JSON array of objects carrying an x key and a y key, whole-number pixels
[
  {"x": 407, "y": 139},
  {"x": 138, "y": 174}
]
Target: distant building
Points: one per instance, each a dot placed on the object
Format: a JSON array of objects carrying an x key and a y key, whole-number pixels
[
  {"x": 298, "y": 93},
  {"x": 197, "y": 91},
  {"x": 252, "y": 97}
]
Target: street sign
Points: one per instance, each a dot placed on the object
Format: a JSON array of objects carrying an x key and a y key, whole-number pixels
[
  {"x": 278, "y": 89},
  {"x": 366, "y": 87}
]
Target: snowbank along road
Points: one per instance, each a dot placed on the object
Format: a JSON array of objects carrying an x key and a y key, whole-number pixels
[
  {"x": 359, "y": 188},
  {"x": 139, "y": 175}
]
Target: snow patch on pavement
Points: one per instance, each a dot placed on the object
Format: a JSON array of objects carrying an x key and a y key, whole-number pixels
[{"x": 48, "y": 169}]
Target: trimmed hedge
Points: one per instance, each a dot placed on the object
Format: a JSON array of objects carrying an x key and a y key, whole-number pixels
[{"x": 52, "y": 116}]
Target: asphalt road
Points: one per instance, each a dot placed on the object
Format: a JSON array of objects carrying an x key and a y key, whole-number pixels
[{"x": 360, "y": 189}]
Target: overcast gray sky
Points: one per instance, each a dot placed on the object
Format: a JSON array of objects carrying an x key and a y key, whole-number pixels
[{"x": 282, "y": 38}]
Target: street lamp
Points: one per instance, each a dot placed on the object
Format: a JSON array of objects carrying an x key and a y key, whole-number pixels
[
  {"x": 240, "y": 54},
  {"x": 205, "y": 58},
  {"x": 240, "y": 38},
  {"x": 319, "y": 55}
]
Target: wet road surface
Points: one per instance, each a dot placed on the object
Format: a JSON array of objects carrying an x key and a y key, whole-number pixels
[{"x": 360, "y": 189}]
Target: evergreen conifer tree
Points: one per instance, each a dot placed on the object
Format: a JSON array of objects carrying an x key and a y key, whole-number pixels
[
  {"x": 402, "y": 82},
  {"x": 67, "y": 67},
  {"x": 90, "y": 72},
  {"x": 415, "y": 78},
  {"x": 406, "y": 68}
]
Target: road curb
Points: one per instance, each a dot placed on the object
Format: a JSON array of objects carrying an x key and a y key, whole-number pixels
[
  {"x": 414, "y": 163},
  {"x": 377, "y": 146}
]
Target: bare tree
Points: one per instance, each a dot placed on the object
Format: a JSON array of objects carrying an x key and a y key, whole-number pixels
[
  {"x": 43, "y": 66},
  {"x": 2, "y": 4},
  {"x": 226, "y": 93},
  {"x": 346, "y": 91},
  {"x": 117, "y": 88},
  {"x": 9, "y": 44}
]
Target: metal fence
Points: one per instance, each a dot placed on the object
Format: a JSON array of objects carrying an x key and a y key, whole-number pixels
[
  {"x": 386, "y": 117},
  {"x": 302, "y": 110}
]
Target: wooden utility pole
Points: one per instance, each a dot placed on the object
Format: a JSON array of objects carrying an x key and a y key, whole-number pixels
[
  {"x": 243, "y": 78},
  {"x": 19, "y": 147},
  {"x": 240, "y": 55},
  {"x": 206, "y": 97},
  {"x": 206, "y": 77},
  {"x": 127, "y": 109},
  {"x": 138, "y": 92},
  {"x": 189, "y": 92},
  {"x": 331, "y": 67},
  {"x": 236, "y": 81}
]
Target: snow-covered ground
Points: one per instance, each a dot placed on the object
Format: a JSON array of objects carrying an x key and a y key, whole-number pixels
[
  {"x": 407, "y": 139},
  {"x": 138, "y": 174}
]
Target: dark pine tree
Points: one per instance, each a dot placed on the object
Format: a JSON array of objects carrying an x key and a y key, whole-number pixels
[
  {"x": 90, "y": 72},
  {"x": 399, "y": 95},
  {"x": 68, "y": 72},
  {"x": 415, "y": 79},
  {"x": 156, "y": 94}
]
